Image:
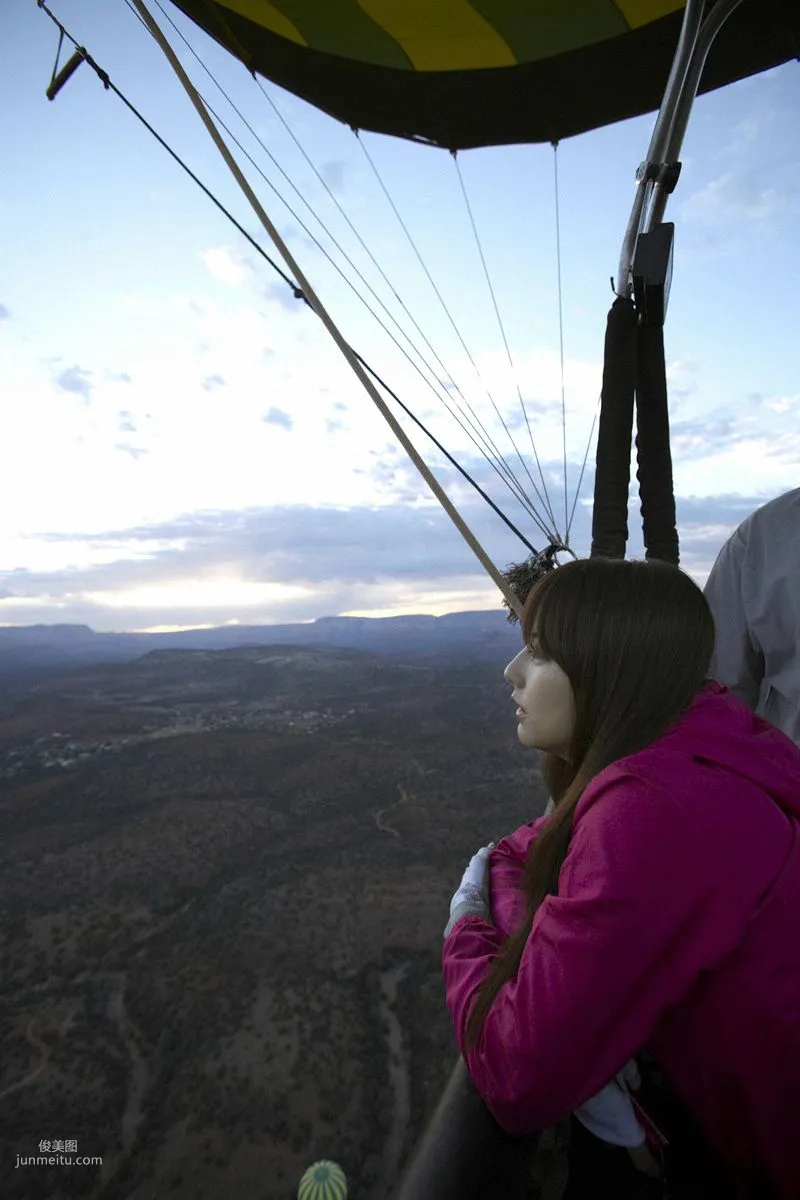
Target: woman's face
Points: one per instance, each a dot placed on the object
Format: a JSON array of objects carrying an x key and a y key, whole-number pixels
[{"x": 545, "y": 712}]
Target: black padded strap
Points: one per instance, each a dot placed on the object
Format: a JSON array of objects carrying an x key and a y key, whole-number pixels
[
  {"x": 613, "y": 461},
  {"x": 653, "y": 455}
]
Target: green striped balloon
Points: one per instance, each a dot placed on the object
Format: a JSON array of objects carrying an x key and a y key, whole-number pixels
[{"x": 324, "y": 1180}]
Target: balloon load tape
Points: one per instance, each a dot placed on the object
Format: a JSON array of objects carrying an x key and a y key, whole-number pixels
[{"x": 522, "y": 577}]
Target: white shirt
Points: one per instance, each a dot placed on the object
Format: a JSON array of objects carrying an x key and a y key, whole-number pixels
[
  {"x": 610, "y": 1114},
  {"x": 754, "y": 594}
]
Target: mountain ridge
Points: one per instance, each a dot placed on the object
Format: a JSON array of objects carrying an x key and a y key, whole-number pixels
[{"x": 483, "y": 634}]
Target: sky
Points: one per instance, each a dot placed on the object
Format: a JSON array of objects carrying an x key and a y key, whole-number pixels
[{"x": 182, "y": 444}]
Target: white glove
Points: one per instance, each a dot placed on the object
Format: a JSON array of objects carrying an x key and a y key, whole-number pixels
[{"x": 472, "y": 896}]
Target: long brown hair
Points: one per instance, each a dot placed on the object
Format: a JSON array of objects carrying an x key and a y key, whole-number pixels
[{"x": 635, "y": 640}]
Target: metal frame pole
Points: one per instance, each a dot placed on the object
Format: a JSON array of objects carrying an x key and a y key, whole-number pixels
[
  {"x": 646, "y": 174},
  {"x": 658, "y": 174},
  {"x": 708, "y": 31}
]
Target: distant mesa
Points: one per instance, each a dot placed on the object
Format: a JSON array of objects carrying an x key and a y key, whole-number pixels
[
  {"x": 414, "y": 621},
  {"x": 341, "y": 622},
  {"x": 481, "y": 635},
  {"x": 47, "y": 632}
]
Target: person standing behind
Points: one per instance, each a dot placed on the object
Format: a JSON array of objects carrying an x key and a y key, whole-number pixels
[{"x": 754, "y": 595}]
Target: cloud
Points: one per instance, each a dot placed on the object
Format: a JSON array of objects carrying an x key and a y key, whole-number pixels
[
  {"x": 282, "y": 294},
  {"x": 5, "y": 315},
  {"x": 334, "y": 174},
  {"x": 276, "y": 416},
  {"x": 785, "y": 450},
  {"x": 118, "y": 377},
  {"x": 520, "y": 418},
  {"x": 134, "y": 451},
  {"x": 735, "y": 196},
  {"x": 227, "y": 266},
  {"x": 77, "y": 381},
  {"x": 305, "y": 545},
  {"x": 693, "y": 439},
  {"x": 297, "y": 562},
  {"x": 745, "y": 133},
  {"x": 779, "y": 404},
  {"x": 291, "y": 544},
  {"x": 213, "y": 381}
]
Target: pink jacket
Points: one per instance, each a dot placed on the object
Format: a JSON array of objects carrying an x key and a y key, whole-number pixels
[{"x": 676, "y": 927}]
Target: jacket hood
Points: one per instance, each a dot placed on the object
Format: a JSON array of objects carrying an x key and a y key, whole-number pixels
[{"x": 719, "y": 729}]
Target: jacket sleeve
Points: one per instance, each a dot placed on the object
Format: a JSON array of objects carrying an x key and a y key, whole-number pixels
[
  {"x": 508, "y": 856},
  {"x": 626, "y": 937},
  {"x": 507, "y": 902},
  {"x": 738, "y": 662}
]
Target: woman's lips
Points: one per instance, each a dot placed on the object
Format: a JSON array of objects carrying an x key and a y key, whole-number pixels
[{"x": 521, "y": 713}]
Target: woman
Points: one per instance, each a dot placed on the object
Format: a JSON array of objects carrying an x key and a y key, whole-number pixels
[{"x": 658, "y": 906}]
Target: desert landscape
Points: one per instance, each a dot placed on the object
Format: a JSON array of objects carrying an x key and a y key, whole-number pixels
[{"x": 225, "y": 877}]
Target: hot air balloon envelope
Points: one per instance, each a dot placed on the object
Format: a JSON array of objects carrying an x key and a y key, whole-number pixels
[
  {"x": 463, "y": 73},
  {"x": 324, "y": 1180}
]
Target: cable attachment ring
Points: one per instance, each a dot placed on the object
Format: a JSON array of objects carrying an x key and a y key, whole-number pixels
[{"x": 522, "y": 577}]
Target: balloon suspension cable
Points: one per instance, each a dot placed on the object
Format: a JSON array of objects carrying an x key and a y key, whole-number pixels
[
  {"x": 303, "y": 289},
  {"x": 551, "y": 533},
  {"x": 545, "y": 500},
  {"x": 441, "y": 395},
  {"x": 561, "y": 339}
]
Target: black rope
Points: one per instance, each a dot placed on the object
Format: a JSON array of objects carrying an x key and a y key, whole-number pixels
[{"x": 298, "y": 293}]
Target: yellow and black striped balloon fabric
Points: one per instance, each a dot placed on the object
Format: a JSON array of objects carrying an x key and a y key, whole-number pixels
[
  {"x": 324, "y": 1180},
  {"x": 447, "y": 35},
  {"x": 463, "y": 73}
]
